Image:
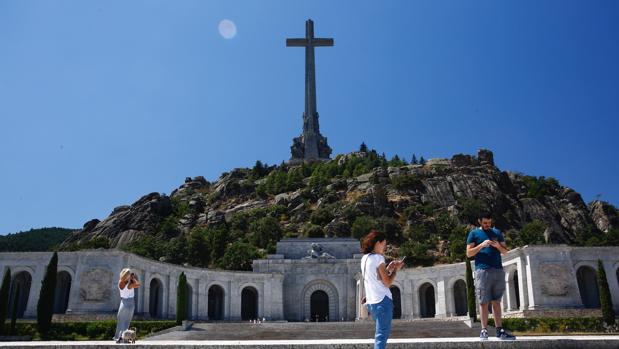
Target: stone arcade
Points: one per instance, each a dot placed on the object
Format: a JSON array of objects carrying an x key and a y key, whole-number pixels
[{"x": 302, "y": 282}]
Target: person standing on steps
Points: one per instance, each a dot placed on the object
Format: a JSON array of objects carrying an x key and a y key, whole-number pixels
[
  {"x": 377, "y": 277},
  {"x": 127, "y": 284},
  {"x": 487, "y": 244}
]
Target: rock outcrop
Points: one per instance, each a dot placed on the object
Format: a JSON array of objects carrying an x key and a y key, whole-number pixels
[{"x": 440, "y": 185}]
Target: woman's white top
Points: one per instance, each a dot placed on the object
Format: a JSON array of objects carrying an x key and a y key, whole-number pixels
[
  {"x": 126, "y": 292},
  {"x": 375, "y": 290}
]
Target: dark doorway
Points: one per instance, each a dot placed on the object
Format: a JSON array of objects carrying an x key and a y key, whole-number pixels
[
  {"x": 460, "y": 298},
  {"x": 588, "y": 287},
  {"x": 397, "y": 302},
  {"x": 516, "y": 290},
  {"x": 319, "y": 306},
  {"x": 155, "y": 302},
  {"x": 427, "y": 300},
  {"x": 215, "y": 303},
  {"x": 61, "y": 296},
  {"x": 20, "y": 291},
  {"x": 249, "y": 303}
]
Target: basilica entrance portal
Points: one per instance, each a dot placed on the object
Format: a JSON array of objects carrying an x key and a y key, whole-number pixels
[{"x": 319, "y": 306}]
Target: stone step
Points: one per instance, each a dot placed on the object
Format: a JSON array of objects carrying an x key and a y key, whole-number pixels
[{"x": 317, "y": 330}]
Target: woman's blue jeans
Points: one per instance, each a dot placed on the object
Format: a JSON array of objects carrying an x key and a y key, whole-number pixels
[{"x": 382, "y": 313}]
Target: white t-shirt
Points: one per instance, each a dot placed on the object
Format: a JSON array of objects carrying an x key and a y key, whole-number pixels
[
  {"x": 126, "y": 292},
  {"x": 375, "y": 290}
]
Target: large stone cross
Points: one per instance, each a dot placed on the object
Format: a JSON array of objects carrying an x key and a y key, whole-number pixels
[{"x": 311, "y": 145}]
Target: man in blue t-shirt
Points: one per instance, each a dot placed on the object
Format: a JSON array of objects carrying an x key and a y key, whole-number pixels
[{"x": 487, "y": 244}]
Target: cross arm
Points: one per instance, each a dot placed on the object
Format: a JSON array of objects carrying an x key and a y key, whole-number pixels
[
  {"x": 305, "y": 42},
  {"x": 322, "y": 42},
  {"x": 296, "y": 42}
]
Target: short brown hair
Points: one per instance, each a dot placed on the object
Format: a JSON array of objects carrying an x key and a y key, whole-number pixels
[{"x": 368, "y": 242}]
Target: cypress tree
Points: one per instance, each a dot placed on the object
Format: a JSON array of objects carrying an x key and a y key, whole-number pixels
[
  {"x": 14, "y": 311},
  {"x": 4, "y": 298},
  {"x": 470, "y": 291},
  {"x": 181, "y": 299},
  {"x": 608, "y": 313},
  {"x": 45, "y": 306}
]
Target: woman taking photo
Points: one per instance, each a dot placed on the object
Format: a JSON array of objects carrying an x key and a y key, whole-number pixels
[
  {"x": 377, "y": 277},
  {"x": 127, "y": 283}
]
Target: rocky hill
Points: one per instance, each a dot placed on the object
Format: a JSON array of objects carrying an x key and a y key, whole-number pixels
[{"x": 425, "y": 209}]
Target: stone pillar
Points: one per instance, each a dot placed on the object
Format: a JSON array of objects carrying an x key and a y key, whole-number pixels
[
  {"x": 274, "y": 297},
  {"x": 529, "y": 278},
  {"x": 227, "y": 300},
  {"x": 203, "y": 295},
  {"x": 508, "y": 295},
  {"x": 141, "y": 293},
  {"x": 167, "y": 291},
  {"x": 74, "y": 294},
  {"x": 195, "y": 299},
  {"x": 416, "y": 307},
  {"x": 146, "y": 292},
  {"x": 35, "y": 289},
  {"x": 407, "y": 298},
  {"x": 523, "y": 282},
  {"x": 450, "y": 305},
  {"x": 235, "y": 300},
  {"x": 170, "y": 307},
  {"x": 441, "y": 293}
]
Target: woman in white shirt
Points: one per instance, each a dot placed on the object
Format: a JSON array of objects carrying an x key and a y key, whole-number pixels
[
  {"x": 377, "y": 277},
  {"x": 127, "y": 284}
]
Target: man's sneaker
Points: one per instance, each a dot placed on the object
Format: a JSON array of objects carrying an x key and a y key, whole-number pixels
[
  {"x": 483, "y": 335},
  {"x": 503, "y": 335}
]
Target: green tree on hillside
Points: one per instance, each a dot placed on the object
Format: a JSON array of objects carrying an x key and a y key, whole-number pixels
[
  {"x": 414, "y": 160},
  {"x": 239, "y": 256},
  {"x": 265, "y": 231},
  {"x": 362, "y": 226}
]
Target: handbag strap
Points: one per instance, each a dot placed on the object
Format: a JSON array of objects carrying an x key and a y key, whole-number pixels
[{"x": 365, "y": 265}]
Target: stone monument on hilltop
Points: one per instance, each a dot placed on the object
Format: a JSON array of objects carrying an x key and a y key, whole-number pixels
[{"x": 311, "y": 145}]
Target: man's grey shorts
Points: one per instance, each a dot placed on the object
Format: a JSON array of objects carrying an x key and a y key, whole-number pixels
[{"x": 489, "y": 284}]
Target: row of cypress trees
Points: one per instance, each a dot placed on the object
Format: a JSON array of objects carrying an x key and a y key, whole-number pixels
[
  {"x": 606, "y": 303},
  {"x": 45, "y": 305}
]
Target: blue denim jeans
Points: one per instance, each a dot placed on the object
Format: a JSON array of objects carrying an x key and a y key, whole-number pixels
[{"x": 382, "y": 313}]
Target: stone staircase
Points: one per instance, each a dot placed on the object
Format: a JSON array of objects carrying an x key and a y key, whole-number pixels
[
  {"x": 417, "y": 334},
  {"x": 317, "y": 330}
]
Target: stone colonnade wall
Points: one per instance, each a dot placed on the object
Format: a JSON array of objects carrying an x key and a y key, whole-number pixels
[
  {"x": 539, "y": 278},
  {"x": 94, "y": 276}
]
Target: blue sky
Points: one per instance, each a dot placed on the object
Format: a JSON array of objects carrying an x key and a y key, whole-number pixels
[{"x": 102, "y": 102}]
